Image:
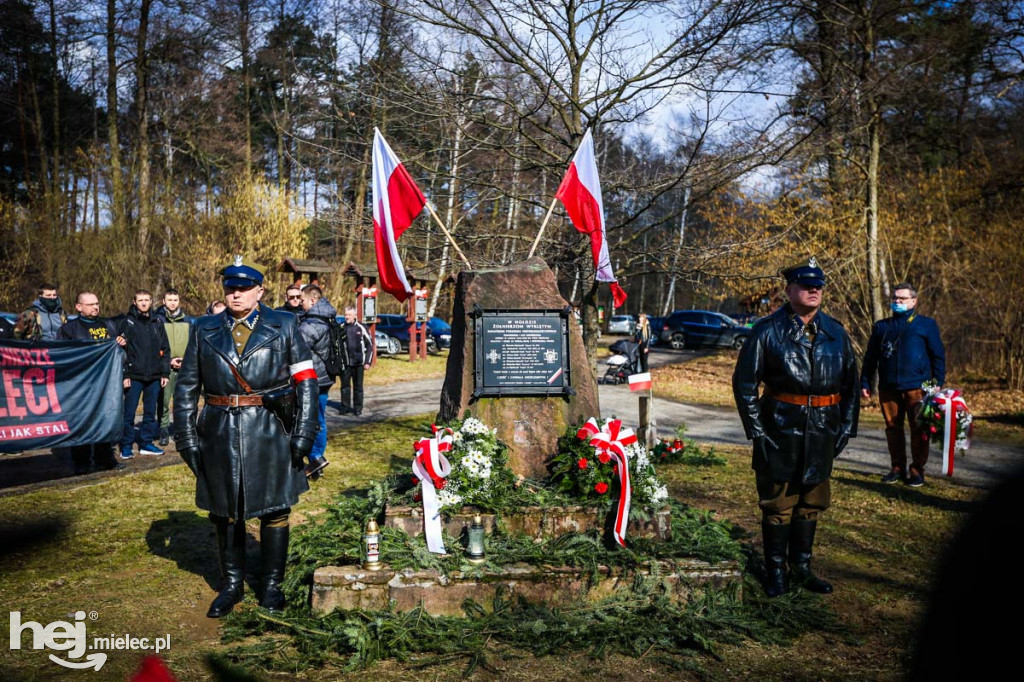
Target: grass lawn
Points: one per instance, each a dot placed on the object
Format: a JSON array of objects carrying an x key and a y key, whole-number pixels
[
  {"x": 135, "y": 550},
  {"x": 392, "y": 368}
]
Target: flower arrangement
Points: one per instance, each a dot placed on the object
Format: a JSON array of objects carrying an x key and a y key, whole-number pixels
[
  {"x": 932, "y": 416},
  {"x": 581, "y": 472},
  {"x": 682, "y": 449},
  {"x": 479, "y": 467}
]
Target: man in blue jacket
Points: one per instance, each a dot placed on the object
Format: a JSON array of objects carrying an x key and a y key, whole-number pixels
[{"x": 906, "y": 351}]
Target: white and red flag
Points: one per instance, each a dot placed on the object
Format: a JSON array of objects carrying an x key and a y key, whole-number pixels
[
  {"x": 640, "y": 382},
  {"x": 580, "y": 192},
  {"x": 396, "y": 203}
]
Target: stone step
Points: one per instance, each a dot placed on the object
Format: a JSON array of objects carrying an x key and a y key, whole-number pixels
[
  {"x": 352, "y": 587},
  {"x": 534, "y": 522}
]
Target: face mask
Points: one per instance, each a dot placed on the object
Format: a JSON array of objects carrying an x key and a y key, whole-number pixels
[
  {"x": 50, "y": 305},
  {"x": 899, "y": 308}
]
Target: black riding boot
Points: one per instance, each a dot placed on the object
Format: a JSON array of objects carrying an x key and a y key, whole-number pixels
[
  {"x": 801, "y": 539},
  {"x": 231, "y": 552},
  {"x": 274, "y": 554},
  {"x": 775, "y": 537}
]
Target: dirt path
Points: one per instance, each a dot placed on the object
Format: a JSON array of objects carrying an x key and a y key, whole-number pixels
[{"x": 983, "y": 466}]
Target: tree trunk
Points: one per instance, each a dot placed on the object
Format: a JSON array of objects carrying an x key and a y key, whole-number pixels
[
  {"x": 141, "y": 105},
  {"x": 116, "y": 181}
]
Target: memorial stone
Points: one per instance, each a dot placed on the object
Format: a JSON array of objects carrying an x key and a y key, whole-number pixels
[{"x": 536, "y": 350}]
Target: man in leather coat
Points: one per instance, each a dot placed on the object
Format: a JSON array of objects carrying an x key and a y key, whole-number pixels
[
  {"x": 245, "y": 362},
  {"x": 803, "y": 419}
]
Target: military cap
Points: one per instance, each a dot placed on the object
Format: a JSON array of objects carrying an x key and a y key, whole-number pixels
[
  {"x": 807, "y": 273},
  {"x": 242, "y": 272}
]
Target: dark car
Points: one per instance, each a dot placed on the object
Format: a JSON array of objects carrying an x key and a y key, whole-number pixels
[
  {"x": 397, "y": 327},
  {"x": 441, "y": 331},
  {"x": 699, "y": 328}
]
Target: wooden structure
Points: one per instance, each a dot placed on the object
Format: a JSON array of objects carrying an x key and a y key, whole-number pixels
[{"x": 304, "y": 271}]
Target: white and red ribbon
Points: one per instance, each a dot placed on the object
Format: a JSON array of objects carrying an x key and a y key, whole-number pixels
[
  {"x": 421, "y": 293},
  {"x": 951, "y": 402},
  {"x": 431, "y": 467},
  {"x": 612, "y": 438},
  {"x": 369, "y": 292}
]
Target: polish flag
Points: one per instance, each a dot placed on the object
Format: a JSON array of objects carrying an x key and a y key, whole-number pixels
[
  {"x": 396, "y": 203},
  {"x": 640, "y": 382},
  {"x": 580, "y": 192}
]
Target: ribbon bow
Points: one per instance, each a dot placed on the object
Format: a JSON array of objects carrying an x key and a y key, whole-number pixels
[
  {"x": 369, "y": 292},
  {"x": 431, "y": 467},
  {"x": 421, "y": 293},
  {"x": 950, "y": 402},
  {"x": 612, "y": 439}
]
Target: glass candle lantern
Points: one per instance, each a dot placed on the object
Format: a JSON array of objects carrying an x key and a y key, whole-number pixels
[{"x": 475, "y": 547}]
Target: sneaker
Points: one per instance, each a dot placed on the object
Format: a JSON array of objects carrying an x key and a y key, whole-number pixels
[
  {"x": 916, "y": 480},
  {"x": 126, "y": 453},
  {"x": 315, "y": 468},
  {"x": 150, "y": 449},
  {"x": 893, "y": 476}
]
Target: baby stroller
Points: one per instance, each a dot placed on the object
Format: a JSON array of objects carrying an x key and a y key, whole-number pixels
[{"x": 626, "y": 361}]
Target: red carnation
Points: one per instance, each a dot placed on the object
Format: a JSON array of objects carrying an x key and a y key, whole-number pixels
[
  {"x": 933, "y": 429},
  {"x": 677, "y": 443},
  {"x": 582, "y": 463},
  {"x": 601, "y": 488},
  {"x": 603, "y": 458}
]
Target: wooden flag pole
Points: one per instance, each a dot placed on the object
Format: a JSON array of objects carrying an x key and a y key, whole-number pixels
[
  {"x": 448, "y": 234},
  {"x": 544, "y": 224}
]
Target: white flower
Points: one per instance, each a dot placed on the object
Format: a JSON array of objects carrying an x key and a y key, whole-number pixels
[
  {"x": 660, "y": 493},
  {"x": 457, "y": 437},
  {"x": 447, "y": 497}
]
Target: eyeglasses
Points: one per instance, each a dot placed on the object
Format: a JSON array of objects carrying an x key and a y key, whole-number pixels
[{"x": 291, "y": 297}]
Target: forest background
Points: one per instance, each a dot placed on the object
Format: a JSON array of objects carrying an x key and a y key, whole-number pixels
[{"x": 143, "y": 141}]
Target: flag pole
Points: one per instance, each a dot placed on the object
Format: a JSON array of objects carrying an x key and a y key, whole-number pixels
[
  {"x": 542, "y": 226},
  {"x": 449, "y": 235}
]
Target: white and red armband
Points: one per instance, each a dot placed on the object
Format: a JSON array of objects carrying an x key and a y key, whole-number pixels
[{"x": 302, "y": 370}]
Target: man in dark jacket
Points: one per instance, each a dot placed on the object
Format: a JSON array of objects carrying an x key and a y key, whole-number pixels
[
  {"x": 258, "y": 381},
  {"x": 316, "y": 332},
  {"x": 89, "y": 326},
  {"x": 44, "y": 318},
  {"x": 802, "y": 421},
  {"x": 292, "y": 301},
  {"x": 906, "y": 351},
  {"x": 358, "y": 355},
  {"x": 146, "y": 368}
]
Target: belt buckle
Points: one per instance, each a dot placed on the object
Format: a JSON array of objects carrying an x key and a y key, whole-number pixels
[
  {"x": 810, "y": 401},
  {"x": 234, "y": 400}
]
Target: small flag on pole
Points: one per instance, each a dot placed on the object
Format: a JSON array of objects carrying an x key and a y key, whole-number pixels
[
  {"x": 396, "y": 203},
  {"x": 580, "y": 192},
  {"x": 640, "y": 382}
]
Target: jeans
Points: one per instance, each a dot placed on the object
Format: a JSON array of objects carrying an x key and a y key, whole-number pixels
[
  {"x": 150, "y": 393},
  {"x": 320, "y": 442}
]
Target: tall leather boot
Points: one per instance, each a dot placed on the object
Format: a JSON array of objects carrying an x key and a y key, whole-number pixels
[
  {"x": 274, "y": 554},
  {"x": 801, "y": 539},
  {"x": 231, "y": 552},
  {"x": 775, "y": 537}
]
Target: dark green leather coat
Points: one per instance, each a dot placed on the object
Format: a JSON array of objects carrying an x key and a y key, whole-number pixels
[
  {"x": 778, "y": 355},
  {"x": 246, "y": 447}
]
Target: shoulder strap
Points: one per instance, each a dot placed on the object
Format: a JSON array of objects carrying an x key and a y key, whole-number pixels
[{"x": 240, "y": 379}]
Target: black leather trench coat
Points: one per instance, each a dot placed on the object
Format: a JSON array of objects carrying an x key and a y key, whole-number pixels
[
  {"x": 778, "y": 355},
  {"x": 244, "y": 447}
]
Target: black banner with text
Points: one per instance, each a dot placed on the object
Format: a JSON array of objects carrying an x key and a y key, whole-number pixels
[{"x": 59, "y": 394}]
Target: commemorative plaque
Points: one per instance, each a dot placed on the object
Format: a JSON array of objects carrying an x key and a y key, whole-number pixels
[{"x": 521, "y": 352}]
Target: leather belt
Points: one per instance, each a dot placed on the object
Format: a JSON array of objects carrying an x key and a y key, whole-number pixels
[
  {"x": 807, "y": 400},
  {"x": 234, "y": 400}
]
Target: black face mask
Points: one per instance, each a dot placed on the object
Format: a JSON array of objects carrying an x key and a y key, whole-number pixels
[{"x": 50, "y": 305}]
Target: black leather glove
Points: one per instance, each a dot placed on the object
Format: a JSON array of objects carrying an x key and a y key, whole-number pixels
[
  {"x": 191, "y": 457},
  {"x": 762, "y": 446},
  {"x": 841, "y": 442},
  {"x": 301, "y": 447}
]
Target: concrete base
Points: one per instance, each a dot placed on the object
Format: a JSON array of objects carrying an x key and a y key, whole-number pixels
[
  {"x": 351, "y": 587},
  {"x": 535, "y": 522}
]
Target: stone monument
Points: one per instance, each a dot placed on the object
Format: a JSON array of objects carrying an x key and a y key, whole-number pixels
[{"x": 528, "y": 422}]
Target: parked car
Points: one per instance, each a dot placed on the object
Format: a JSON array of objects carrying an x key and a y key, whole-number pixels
[
  {"x": 622, "y": 324},
  {"x": 441, "y": 331},
  {"x": 10, "y": 317},
  {"x": 387, "y": 345},
  {"x": 397, "y": 327},
  {"x": 699, "y": 328}
]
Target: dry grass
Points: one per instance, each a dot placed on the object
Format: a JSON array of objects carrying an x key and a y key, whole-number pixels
[{"x": 394, "y": 368}]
